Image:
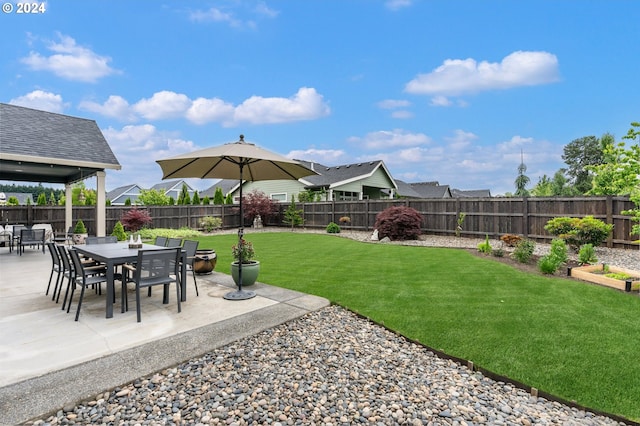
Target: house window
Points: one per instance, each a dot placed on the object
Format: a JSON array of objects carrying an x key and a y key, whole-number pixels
[{"x": 280, "y": 197}]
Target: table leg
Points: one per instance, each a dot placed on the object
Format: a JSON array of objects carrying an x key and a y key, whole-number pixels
[
  {"x": 183, "y": 278},
  {"x": 110, "y": 289}
]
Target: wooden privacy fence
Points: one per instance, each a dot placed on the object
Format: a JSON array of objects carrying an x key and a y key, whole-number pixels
[{"x": 483, "y": 216}]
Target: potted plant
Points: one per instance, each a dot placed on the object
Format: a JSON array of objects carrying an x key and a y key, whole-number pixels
[
  {"x": 79, "y": 232},
  {"x": 250, "y": 267}
]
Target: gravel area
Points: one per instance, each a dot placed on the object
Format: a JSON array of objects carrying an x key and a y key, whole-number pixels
[{"x": 330, "y": 367}]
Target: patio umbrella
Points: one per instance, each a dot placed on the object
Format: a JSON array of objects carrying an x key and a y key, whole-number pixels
[{"x": 230, "y": 161}]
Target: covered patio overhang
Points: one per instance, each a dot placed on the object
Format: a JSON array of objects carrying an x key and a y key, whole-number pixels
[{"x": 29, "y": 168}]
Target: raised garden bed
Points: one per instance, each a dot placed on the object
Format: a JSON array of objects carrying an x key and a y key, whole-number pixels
[{"x": 596, "y": 274}]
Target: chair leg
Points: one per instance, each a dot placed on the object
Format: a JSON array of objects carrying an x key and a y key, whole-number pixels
[
  {"x": 178, "y": 296},
  {"x": 66, "y": 293},
  {"x": 138, "y": 303},
  {"x": 79, "y": 302},
  {"x": 49, "y": 285},
  {"x": 195, "y": 283},
  {"x": 73, "y": 289}
]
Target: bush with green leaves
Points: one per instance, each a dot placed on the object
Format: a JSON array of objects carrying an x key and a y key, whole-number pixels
[
  {"x": 118, "y": 231},
  {"x": 209, "y": 223},
  {"x": 577, "y": 232},
  {"x": 333, "y": 228},
  {"x": 557, "y": 256},
  {"x": 399, "y": 223},
  {"x": 485, "y": 247},
  {"x": 80, "y": 228},
  {"x": 587, "y": 255},
  {"x": 524, "y": 251}
]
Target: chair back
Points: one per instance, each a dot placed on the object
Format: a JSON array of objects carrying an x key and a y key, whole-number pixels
[
  {"x": 55, "y": 256},
  {"x": 76, "y": 263},
  {"x": 161, "y": 241},
  {"x": 110, "y": 239},
  {"x": 157, "y": 266},
  {"x": 27, "y": 234},
  {"x": 174, "y": 242},
  {"x": 190, "y": 247},
  {"x": 64, "y": 258}
]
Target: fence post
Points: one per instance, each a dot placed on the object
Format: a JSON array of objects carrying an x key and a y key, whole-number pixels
[
  {"x": 609, "y": 208},
  {"x": 525, "y": 216}
]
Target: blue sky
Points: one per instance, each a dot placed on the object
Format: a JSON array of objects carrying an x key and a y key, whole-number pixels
[{"x": 448, "y": 91}]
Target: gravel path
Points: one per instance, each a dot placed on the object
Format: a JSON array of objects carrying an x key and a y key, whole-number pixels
[{"x": 330, "y": 367}]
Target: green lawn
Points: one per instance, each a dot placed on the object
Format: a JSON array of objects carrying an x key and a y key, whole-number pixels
[{"x": 571, "y": 339}]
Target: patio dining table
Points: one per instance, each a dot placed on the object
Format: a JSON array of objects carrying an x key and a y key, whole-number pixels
[{"x": 118, "y": 254}]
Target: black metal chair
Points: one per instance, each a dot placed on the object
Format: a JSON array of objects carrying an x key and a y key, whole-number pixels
[
  {"x": 84, "y": 278},
  {"x": 31, "y": 238},
  {"x": 161, "y": 241},
  {"x": 174, "y": 242},
  {"x": 191, "y": 247},
  {"x": 56, "y": 267},
  {"x": 153, "y": 267},
  {"x": 110, "y": 239}
]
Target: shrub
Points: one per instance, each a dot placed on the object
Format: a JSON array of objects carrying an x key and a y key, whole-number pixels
[
  {"x": 587, "y": 255},
  {"x": 80, "y": 228},
  {"x": 258, "y": 203},
  {"x": 118, "y": 231},
  {"x": 135, "y": 219},
  {"x": 344, "y": 220},
  {"x": 293, "y": 215},
  {"x": 333, "y": 228},
  {"x": 551, "y": 262},
  {"x": 399, "y": 223},
  {"x": 498, "y": 252},
  {"x": 485, "y": 247},
  {"x": 209, "y": 223},
  {"x": 460, "y": 222},
  {"x": 511, "y": 240},
  {"x": 577, "y": 232},
  {"x": 524, "y": 251}
]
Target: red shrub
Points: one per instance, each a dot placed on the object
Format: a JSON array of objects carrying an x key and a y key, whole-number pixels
[
  {"x": 399, "y": 223},
  {"x": 135, "y": 219},
  {"x": 258, "y": 203}
]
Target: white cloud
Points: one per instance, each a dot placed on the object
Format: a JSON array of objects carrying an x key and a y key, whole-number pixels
[
  {"x": 393, "y": 104},
  {"x": 39, "y": 99},
  {"x": 460, "y": 139},
  {"x": 163, "y": 105},
  {"x": 398, "y": 4},
  {"x": 307, "y": 104},
  {"x": 327, "y": 157},
  {"x": 264, "y": 10},
  {"x": 390, "y": 139},
  {"x": 402, "y": 114},
  {"x": 204, "y": 110},
  {"x": 71, "y": 61},
  {"x": 115, "y": 107},
  {"x": 464, "y": 76},
  {"x": 440, "y": 100}
]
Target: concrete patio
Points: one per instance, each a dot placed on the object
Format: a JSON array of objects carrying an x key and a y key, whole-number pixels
[{"x": 47, "y": 360}]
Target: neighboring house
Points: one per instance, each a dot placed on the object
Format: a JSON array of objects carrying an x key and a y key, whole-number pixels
[
  {"x": 23, "y": 198},
  {"x": 474, "y": 193},
  {"x": 226, "y": 185},
  {"x": 120, "y": 195},
  {"x": 358, "y": 181},
  {"x": 431, "y": 190},
  {"x": 172, "y": 188}
]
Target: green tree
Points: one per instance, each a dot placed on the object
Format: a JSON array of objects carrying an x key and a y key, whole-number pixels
[
  {"x": 52, "y": 199},
  {"x": 218, "y": 196},
  {"x": 206, "y": 201},
  {"x": 577, "y": 155},
  {"x": 153, "y": 197},
  {"x": 619, "y": 174},
  {"x": 522, "y": 180},
  {"x": 42, "y": 199},
  {"x": 228, "y": 199},
  {"x": 560, "y": 184},
  {"x": 184, "y": 197},
  {"x": 544, "y": 187},
  {"x": 13, "y": 201},
  {"x": 293, "y": 215},
  {"x": 196, "y": 199},
  {"x": 127, "y": 202}
]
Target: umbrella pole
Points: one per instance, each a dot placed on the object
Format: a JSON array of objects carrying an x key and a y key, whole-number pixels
[{"x": 240, "y": 295}]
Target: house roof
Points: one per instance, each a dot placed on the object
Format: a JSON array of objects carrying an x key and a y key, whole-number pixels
[
  {"x": 171, "y": 184},
  {"x": 117, "y": 192},
  {"x": 474, "y": 193},
  {"x": 406, "y": 190},
  {"x": 339, "y": 175},
  {"x": 40, "y": 146},
  {"x": 431, "y": 190},
  {"x": 226, "y": 185}
]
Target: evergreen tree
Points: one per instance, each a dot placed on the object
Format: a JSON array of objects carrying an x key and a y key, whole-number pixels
[
  {"x": 522, "y": 180},
  {"x": 42, "y": 199},
  {"x": 228, "y": 199},
  {"x": 218, "y": 196},
  {"x": 196, "y": 199}
]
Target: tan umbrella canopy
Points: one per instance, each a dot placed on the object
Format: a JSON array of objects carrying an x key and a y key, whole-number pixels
[{"x": 234, "y": 160}]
